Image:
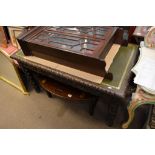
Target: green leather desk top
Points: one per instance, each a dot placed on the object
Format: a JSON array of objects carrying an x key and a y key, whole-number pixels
[
  {"x": 120, "y": 66},
  {"x": 121, "y": 69}
]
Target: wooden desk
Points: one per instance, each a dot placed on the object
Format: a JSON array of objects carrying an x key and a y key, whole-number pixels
[{"x": 118, "y": 90}]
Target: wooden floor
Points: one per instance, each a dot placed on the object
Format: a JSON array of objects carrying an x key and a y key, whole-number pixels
[{"x": 37, "y": 111}]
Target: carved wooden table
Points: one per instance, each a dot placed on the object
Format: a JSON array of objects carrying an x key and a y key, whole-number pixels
[
  {"x": 140, "y": 98},
  {"x": 118, "y": 91}
]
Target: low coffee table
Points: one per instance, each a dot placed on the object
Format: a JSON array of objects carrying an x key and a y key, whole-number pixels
[{"x": 54, "y": 88}]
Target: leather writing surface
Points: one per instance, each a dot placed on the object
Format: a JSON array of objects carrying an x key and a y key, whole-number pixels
[{"x": 120, "y": 66}]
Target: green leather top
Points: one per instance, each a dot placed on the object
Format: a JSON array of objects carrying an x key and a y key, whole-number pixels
[{"x": 120, "y": 65}]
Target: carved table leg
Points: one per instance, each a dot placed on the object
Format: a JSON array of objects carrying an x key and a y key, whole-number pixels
[
  {"x": 140, "y": 99},
  {"x": 92, "y": 105},
  {"x": 112, "y": 112},
  {"x": 30, "y": 78},
  {"x": 131, "y": 111},
  {"x": 48, "y": 94},
  {"x": 35, "y": 83}
]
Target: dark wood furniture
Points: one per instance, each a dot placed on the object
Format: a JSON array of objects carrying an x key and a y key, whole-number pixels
[
  {"x": 117, "y": 92},
  {"x": 54, "y": 88},
  {"x": 83, "y": 48}
]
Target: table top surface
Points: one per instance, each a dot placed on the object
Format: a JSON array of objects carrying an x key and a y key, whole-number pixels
[{"x": 121, "y": 69}]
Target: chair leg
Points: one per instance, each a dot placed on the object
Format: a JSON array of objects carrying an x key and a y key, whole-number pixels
[{"x": 49, "y": 94}]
